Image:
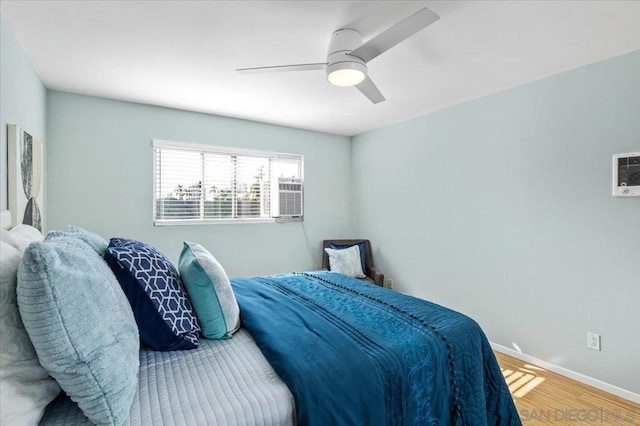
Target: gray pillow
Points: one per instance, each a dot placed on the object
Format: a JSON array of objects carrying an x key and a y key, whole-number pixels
[
  {"x": 25, "y": 387},
  {"x": 346, "y": 261},
  {"x": 20, "y": 236},
  {"x": 81, "y": 325}
]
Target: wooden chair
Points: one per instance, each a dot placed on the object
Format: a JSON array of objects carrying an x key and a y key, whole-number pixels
[{"x": 373, "y": 276}]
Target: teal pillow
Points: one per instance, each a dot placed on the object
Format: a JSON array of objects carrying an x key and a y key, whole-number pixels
[
  {"x": 210, "y": 292},
  {"x": 81, "y": 325}
]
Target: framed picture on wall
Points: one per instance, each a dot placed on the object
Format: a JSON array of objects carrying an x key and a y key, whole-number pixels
[{"x": 25, "y": 180}]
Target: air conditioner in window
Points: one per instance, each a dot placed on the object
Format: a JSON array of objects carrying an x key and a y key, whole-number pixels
[{"x": 289, "y": 198}]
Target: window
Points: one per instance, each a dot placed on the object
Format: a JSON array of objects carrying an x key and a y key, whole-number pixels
[{"x": 196, "y": 184}]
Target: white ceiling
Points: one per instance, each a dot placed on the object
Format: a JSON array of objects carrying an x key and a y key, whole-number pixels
[{"x": 183, "y": 54}]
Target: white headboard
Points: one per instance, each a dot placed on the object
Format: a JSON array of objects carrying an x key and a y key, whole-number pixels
[{"x": 5, "y": 219}]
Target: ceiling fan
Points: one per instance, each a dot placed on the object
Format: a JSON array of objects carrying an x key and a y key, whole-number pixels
[{"x": 347, "y": 58}]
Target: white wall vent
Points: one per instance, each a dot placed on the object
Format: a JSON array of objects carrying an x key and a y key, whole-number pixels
[{"x": 626, "y": 175}]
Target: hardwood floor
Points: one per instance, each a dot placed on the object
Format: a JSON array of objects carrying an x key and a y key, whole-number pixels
[{"x": 546, "y": 398}]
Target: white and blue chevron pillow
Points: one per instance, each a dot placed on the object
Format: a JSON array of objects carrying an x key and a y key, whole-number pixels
[{"x": 162, "y": 310}]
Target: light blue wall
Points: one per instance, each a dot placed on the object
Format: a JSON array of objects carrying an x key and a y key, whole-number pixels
[
  {"x": 100, "y": 177},
  {"x": 501, "y": 208},
  {"x": 22, "y": 98}
]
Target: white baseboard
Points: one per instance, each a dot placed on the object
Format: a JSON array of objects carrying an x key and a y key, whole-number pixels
[{"x": 579, "y": 377}]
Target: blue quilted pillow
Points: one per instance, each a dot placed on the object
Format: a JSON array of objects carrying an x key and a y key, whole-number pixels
[
  {"x": 152, "y": 285},
  {"x": 96, "y": 242},
  {"x": 80, "y": 325}
]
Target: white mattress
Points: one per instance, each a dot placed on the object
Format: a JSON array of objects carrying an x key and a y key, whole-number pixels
[{"x": 223, "y": 382}]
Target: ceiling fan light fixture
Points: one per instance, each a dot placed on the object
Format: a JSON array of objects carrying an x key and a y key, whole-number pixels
[
  {"x": 346, "y": 74},
  {"x": 348, "y": 55}
]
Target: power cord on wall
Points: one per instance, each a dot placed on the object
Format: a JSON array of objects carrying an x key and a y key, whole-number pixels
[{"x": 306, "y": 238}]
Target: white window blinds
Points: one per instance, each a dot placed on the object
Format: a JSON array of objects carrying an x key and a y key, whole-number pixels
[{"x": 202, "y": 184}]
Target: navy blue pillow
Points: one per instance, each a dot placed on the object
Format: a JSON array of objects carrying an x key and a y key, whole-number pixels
[
  {"x": 151, "y": 283},
  {"x": 361, "y": 245}
]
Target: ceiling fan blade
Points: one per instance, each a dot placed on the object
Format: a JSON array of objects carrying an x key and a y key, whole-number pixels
[
  {"x": 394, "y": 35},
  {"x": 278, "y": 68},
  {"x": 369, "y": 89}
]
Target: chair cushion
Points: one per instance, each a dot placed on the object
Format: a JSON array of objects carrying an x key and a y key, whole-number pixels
[
  {"x": 151, "y": 283},
  {"x": 81, "y": 325},
  {"x": 346, "y": 261},
  {"x": 210, "y": 292},
  {"x": 361, "y": 245},
  {"x": 25, "y": 386}
]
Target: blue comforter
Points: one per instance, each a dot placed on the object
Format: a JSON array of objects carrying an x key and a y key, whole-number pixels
[{"x": 356, "y": 354}]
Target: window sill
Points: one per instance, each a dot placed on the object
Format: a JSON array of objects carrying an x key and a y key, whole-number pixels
[{"x": 187, "y": 222}]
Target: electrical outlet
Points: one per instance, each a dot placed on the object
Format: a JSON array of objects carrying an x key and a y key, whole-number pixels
[
  {"x": 389, "y": 283},
  {"x": 593, "y": 341}
]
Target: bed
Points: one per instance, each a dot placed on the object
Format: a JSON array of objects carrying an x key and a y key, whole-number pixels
[
  {"x": 339, "y": 351},
  {"x": 321, "y": 348},
  {"x": 224, "y": 382}
]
